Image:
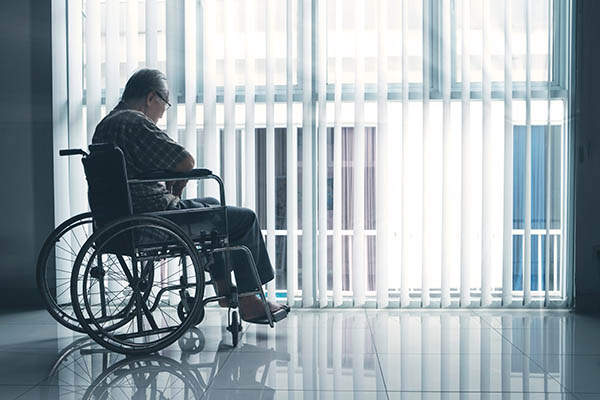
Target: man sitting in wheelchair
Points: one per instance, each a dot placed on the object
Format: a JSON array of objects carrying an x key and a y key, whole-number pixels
[{"x": 131, "y": 125}]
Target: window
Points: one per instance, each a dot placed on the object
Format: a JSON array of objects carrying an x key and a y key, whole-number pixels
[{"x": 376, "y": 151}]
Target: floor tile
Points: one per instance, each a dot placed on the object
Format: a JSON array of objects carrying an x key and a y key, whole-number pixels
[
  {"x": 34, "y": 337},
  {"x": 465, "y": 372},
  {"x": 435, "y": 335},
  {"x": 320, "y": 354},
  {"x": 464, "y": 319},
  {"x": 579, "y": 374},
  {"x": 24, "y": 368},
  {"x": 10, "y": 392},
  {"x": 331, "y": 333},
  {"x": 89, "y": 364},
  {"x": 35, "y": 317},
  {"x": 156, "y": 391},
  {"x": 479, "y": 396},
  {"x": 268, "y": 393},
  {"x": 280, "y": 370}
]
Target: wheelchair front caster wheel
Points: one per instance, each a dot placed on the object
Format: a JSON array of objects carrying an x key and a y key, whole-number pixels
[
  {"x": 182, "y": 313},
  {"x": 235, "y": 327},
  {"x": 192, "y": 341}
]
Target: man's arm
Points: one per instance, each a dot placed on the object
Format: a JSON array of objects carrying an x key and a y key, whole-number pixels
[{"x": 186, "y": 164}]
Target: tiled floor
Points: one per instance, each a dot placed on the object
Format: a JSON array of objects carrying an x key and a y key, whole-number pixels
[{"x": 331, "y": 354}]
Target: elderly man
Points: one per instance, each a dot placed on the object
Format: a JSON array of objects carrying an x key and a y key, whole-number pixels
[{"x": 132, "y": 127}]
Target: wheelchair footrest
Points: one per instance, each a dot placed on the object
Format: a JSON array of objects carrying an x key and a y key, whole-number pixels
[{"x": 277, "y": 316}]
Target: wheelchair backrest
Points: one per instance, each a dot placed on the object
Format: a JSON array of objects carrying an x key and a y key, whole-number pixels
[{"x": 108, "y": 191}]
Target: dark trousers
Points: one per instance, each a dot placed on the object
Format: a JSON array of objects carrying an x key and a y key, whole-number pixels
[{"x": 244, "y": 229}]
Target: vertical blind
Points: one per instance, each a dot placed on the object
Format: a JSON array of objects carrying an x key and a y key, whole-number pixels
[{"x": 398, "y": 153}]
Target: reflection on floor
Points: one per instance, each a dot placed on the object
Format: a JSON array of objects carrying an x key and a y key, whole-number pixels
[{"x": 314, "y": 354}]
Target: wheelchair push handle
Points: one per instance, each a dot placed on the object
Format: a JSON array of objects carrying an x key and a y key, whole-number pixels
[{"x": 72, "y": 152}]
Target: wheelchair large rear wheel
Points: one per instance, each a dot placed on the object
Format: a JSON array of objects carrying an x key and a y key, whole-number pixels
[
  {"x": 55, "y": 264},
  {"x": 139, "y": 267},
  {"x": 151, "y": 377}
]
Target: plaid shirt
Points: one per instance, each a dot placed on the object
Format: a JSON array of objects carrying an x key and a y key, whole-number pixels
[{"x": 146, "y": 148}]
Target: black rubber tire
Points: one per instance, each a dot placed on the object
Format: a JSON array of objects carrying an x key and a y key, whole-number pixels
[
  {"x": 192, "y": 341},
  {"x": 50, "y": 302},
  {"x": 234, "y": 328},
  {"x": 144, "y": 372},
  {"x": 96, "y": 242},
  {"x": 182, "y": 314}
]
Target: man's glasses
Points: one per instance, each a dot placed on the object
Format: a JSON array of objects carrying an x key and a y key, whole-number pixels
[{"x": 163, "y": 99}]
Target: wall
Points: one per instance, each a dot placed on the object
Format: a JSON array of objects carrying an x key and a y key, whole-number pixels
[
  {"x": 587, "y": 159},
  {"x": 26, "y": 198}
]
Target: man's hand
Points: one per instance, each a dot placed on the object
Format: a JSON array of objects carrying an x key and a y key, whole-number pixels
[{"x": 176, "y": 187}]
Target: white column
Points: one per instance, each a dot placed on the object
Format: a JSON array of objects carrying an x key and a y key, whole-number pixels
[
  {"x": 466, "y": 186},
  {"x": 321, "y": 349},
  {"x": 112, "y": 53},
  {"x": 428, "y": 364},
  {"x": 307, "y": 175},
  {"x": 382, "y": 240},
  {"x": 211, "y": 135},
  {"x": 445, "y": 344},
  {"x": 488, "y": 185},
  {"x": 381, "y": 342},
  {"x": 427, "y": 261},
  {"x": 507, "y": 242},
  {"x": 447, "y": 187},
  {"x": 359, "y": 267},
  {"x": 60, "y": 116},
  {"x": 172, "y": 60},
  {"x": 322, "y": 137},
  {"x": 132, "y": 36},
  {"x": 555, "y": 260},
  {"x": 77, "y": 185},
  {"x": 337, "y": 162},
  {"x": 291, "y": 165},
  {"x": 358, "y": 359},
  {"x": 485, "y": 366},
  {"x": 566, "y": 188},
  {"x": 507, "y": 351},
  {"x": 229, "y": 141},
  {"x": 527, "y": 236},
  {"x": 269, "y": 100},
  {"x": 151, "y": 34},
  {"x": 404, "y": 297},
  {"x": 93, "y": 78},
  {"x": 526, "y": 332},
  {"x": 308, "y": 335},
  {"x": 190, "y": 141},
  {"x": 172, "y": 76},
  {"x": 548, "y": 164},
  {"x": 337, "y": 350},
  {"x": 405, "y": 347},
  {"x": 465, "y": 353},
  {"x": 250, "y": 144}
]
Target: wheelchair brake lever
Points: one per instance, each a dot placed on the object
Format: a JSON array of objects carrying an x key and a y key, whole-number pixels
[{"x": 72, "y": 152}]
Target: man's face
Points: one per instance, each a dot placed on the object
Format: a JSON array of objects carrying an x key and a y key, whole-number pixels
[{"x": 156, "y": 104}]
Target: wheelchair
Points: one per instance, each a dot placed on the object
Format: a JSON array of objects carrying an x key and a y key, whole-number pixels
[{"x": 135, "y": 282}]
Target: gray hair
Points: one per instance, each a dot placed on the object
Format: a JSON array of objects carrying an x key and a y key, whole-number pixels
[{"x": 143, "y": 82}]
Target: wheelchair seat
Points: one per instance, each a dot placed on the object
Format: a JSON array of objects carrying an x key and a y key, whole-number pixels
[{"x": 110, "y": 199}]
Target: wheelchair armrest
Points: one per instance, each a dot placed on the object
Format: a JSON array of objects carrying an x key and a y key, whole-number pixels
[
  {"x": 155, "y": 176},
  {"x": 196, "y": 174}
]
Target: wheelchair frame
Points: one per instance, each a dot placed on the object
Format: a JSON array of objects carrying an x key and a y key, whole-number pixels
[{"x": 190, "y": 309}]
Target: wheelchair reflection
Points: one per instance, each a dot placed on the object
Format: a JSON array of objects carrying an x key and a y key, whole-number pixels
[{"x": 87, "y": 371}]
